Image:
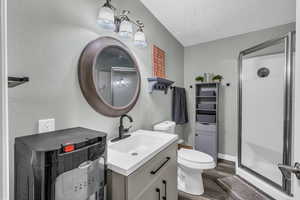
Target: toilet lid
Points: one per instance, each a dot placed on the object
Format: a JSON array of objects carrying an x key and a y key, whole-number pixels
[{"x": 194, "y": 156}]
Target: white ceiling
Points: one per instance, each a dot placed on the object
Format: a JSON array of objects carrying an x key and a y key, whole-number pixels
[{"x": 198, "y": 21}]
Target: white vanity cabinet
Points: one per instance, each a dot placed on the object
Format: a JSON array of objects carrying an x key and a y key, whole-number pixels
[{"x": 155, "y": 180}]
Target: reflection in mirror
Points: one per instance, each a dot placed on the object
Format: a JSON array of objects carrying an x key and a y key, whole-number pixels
[{"x": 115, "y": 76}]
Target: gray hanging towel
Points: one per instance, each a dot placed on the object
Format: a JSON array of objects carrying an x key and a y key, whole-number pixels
[{"x": 179, "y": 107}]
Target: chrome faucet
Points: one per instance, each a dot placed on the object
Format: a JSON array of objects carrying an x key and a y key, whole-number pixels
[{"x": 123, "y": 130}]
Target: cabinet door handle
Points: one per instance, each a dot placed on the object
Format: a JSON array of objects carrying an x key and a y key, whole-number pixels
[
  {"x": 158, "y": 191},
  {"x": 165, "y": 184},
  {"x": 165, "y": 162}
]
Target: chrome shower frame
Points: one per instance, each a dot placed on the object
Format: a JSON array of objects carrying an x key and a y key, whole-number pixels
[{"x": 288, "y": 40}]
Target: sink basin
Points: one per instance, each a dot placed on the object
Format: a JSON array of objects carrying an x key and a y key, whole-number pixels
[
  {"x": 127, "y": 155},
  {"x": 138, "y": 143}
]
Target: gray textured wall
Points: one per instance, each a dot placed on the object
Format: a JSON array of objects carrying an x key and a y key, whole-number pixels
[
  {"x": 220, "y": 57},
  {"x": 45, "y": 40}
]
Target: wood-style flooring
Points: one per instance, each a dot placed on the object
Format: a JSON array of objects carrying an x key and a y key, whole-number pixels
[{"x": 221, "y": 183}]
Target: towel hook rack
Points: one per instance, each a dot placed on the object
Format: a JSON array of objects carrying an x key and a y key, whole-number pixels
[{"x": 15, "y": 81}]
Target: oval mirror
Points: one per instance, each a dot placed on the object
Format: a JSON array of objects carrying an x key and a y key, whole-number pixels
[{"x": 109, "y": 76}]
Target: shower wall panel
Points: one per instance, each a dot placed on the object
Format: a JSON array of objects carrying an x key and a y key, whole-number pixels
[{"x": 263, "y": 111}]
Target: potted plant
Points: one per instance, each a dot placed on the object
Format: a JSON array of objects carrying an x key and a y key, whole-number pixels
[
  {"x": 199, "y": 78},
  {"x": 217, "y": 78}
]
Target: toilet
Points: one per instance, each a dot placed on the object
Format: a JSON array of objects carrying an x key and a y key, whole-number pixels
[{"x": 191, "y": 163}]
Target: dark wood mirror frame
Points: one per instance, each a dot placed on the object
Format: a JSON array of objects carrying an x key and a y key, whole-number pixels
[{"x": 87, "y": 62}]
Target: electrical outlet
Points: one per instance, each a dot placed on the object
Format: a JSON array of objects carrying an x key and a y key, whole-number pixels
[{"x": 46, "y": 125}]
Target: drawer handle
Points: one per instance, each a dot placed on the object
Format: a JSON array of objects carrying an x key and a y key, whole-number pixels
[
  {"x": 158, "y": 191},
  {"x": 165, "y": 184},
  {"x": 165, "y": 162}
]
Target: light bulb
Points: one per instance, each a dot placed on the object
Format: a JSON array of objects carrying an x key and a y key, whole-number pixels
[
  {"x": 106, "y": 18},
  {"x": 126, "y": 29},
  {"x": 140, "y": 39}
]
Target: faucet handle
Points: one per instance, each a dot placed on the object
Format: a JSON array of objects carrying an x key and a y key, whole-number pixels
[{"x": 127, "y": 129}]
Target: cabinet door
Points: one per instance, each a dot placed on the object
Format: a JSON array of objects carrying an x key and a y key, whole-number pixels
[
  {"x": 143, "y": 177},
  {"x": 207, "y": 144},
  {"x": 164, "y": 187},
  {"x": 153, "y": 192},
  {"x": 169, "y": 182}
]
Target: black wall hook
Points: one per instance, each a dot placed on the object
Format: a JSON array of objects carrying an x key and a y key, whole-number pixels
[{"x": 15, "y": 81}]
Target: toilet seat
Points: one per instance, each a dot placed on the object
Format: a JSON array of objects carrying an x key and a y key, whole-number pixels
[{"x": 195, "y": 159}]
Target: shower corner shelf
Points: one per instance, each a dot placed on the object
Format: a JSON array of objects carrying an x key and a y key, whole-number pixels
[
  {"x": 15, "y": 81},
  {"x": 157, "y": 83}
]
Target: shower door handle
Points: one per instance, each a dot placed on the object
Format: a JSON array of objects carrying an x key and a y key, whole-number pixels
[{"x": 286, "y": 169}]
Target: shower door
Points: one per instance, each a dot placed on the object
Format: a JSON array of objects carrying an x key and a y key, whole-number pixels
[{"x": 265, "y": 85}]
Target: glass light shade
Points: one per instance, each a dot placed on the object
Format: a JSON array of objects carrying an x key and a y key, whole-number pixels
[
  {"x": 140, "y": 39},
  {"x": 106, "y": 18},
  {"x": 126, "y": 29}
]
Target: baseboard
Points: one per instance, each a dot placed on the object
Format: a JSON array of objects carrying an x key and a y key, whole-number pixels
[
  {"x": 184, "y": 146},
  {"x": 227, "y": 157}
]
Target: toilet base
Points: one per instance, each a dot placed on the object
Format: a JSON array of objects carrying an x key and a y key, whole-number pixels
[{"x": 190, "y": 181}]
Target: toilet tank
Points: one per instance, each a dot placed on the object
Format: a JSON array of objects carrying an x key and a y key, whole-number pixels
[{"x": 165, "y": 126}]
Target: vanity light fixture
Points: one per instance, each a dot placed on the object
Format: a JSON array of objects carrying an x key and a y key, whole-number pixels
[
  {"x": 106, "y": 16},
  {"x": 125, "y": 28},
  {"x": 139, "y": 37},
  {"x": 121, "y": 24}
]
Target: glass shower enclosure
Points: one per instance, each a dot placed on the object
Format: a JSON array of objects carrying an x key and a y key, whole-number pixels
[{"x": 265, "y": 110}]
